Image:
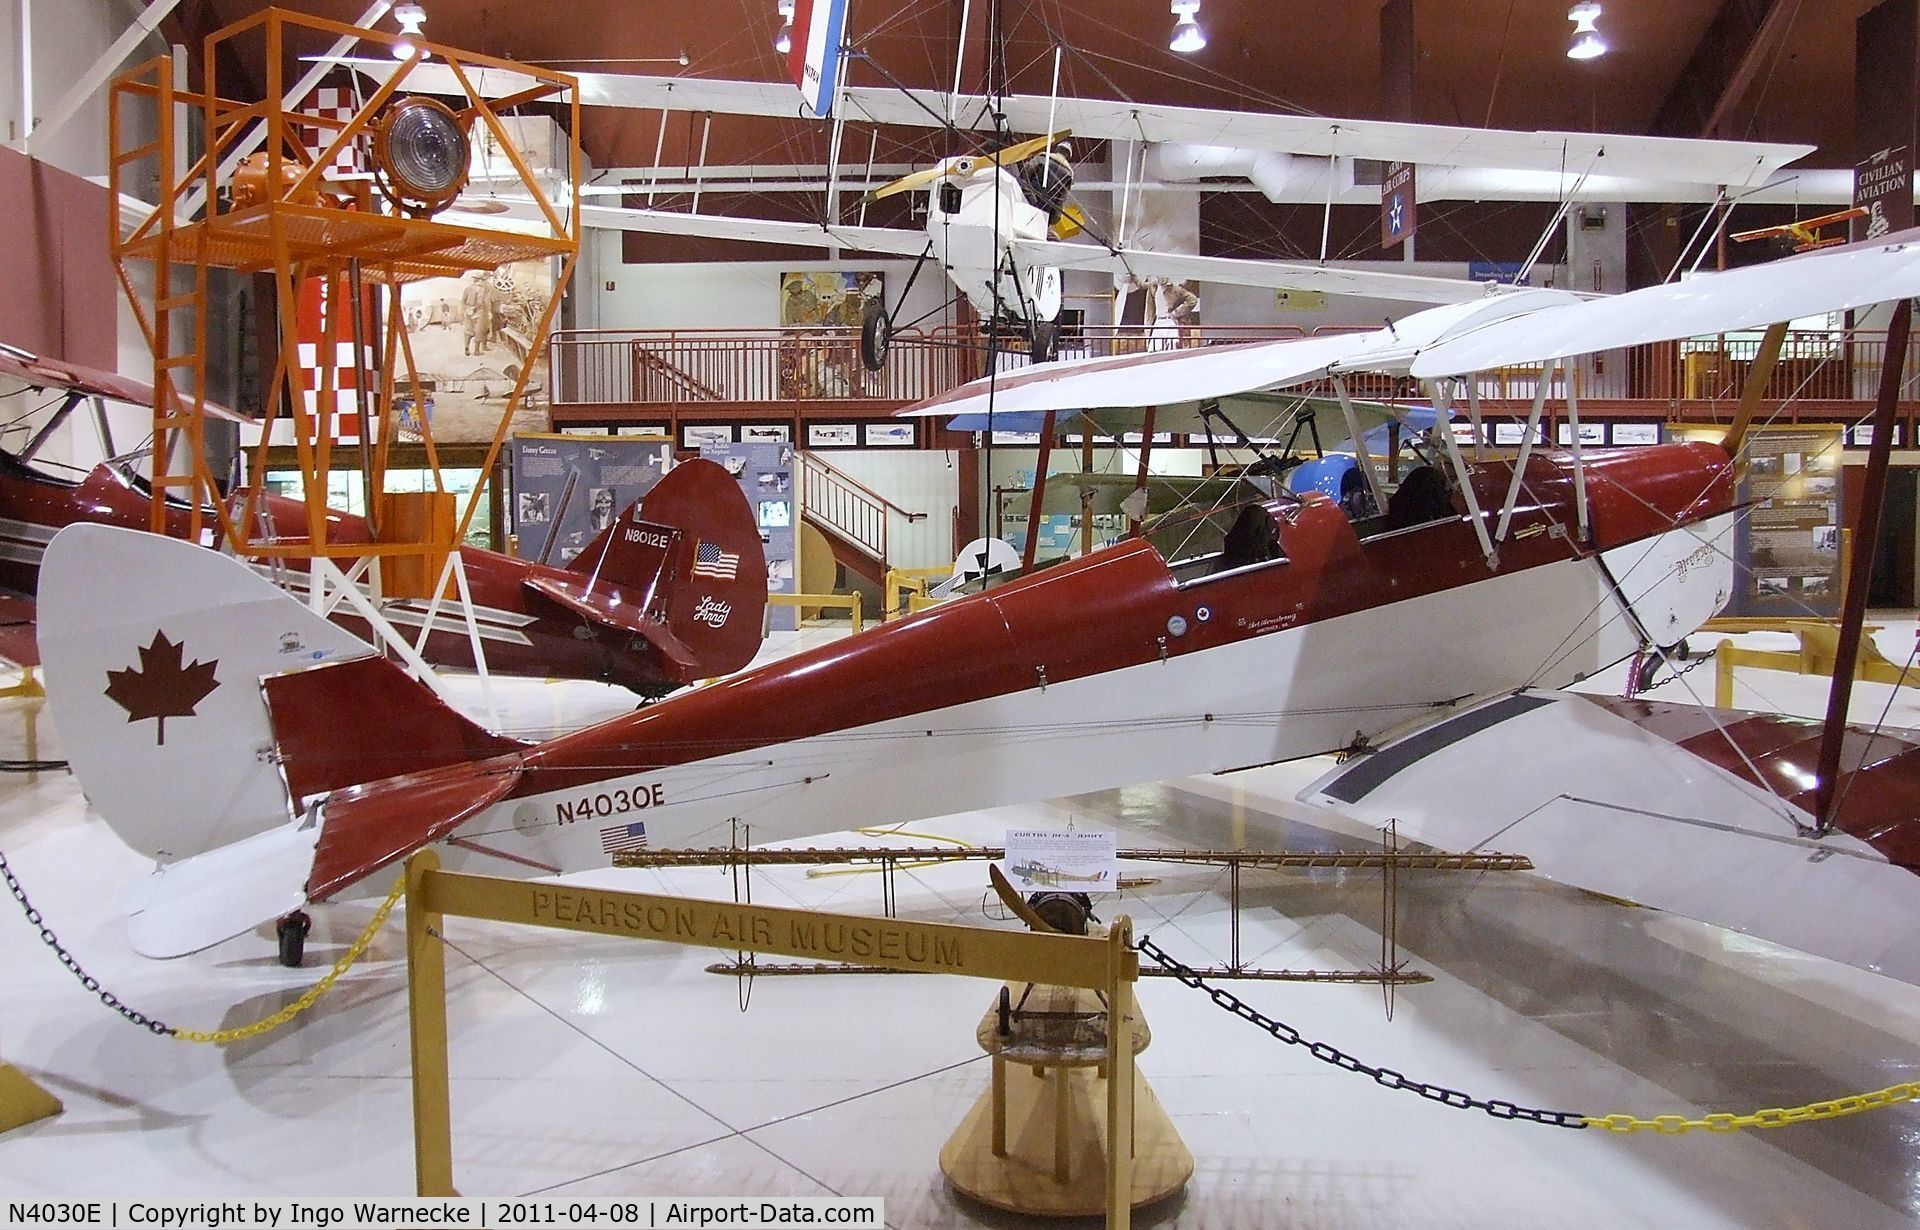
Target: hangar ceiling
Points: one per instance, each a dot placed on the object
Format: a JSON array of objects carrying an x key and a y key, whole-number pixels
[
  {"x": 1487, "y": 62},
  {"x": 1499, "y": 63}
]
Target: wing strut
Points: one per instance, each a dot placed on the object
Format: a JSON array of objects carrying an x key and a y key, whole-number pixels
[
  {"x": 1757, "y": 377},
  {"x": 1359, "y": 438},
  {"x": 1442, "y": 402},
  {"x": 74, "y": 398},
  {"x": 1579, "y": 460},
  {"x": 1860, "y": 578},
  {"x": 1035, "y": 505},
  {"x": 1547, "y": 370},
  {"x": 1140, "y": 482}
]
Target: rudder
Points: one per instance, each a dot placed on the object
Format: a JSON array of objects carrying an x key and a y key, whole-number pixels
[
  {"x": 153, "y": 650},
  {"x": 690, "y": 549}
]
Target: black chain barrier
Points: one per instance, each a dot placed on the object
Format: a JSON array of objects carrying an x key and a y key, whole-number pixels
[
  {"x": 87, "y": 980},
  {"x": 1327, "y": 1053}
]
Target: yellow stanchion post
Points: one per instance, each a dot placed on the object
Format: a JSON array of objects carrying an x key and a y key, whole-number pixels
[
  {"x": 1123, "y": 967},
  {"x": 427, "y": 1019},
  {"x": 29, "y": 685},
  {"x": 22, "y": 1101},
  {"x": 1723, "y": 675},
  {"x": 803, "y": 601}
]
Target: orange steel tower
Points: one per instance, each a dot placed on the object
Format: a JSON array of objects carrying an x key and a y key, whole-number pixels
[{"x": 279, "y": 212}]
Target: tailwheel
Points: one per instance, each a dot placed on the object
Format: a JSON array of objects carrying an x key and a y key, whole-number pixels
[
  {"x": 876, "y": 335},
  {"x": 293, "y": 930},
  {"x": 1043, "y": 340}
]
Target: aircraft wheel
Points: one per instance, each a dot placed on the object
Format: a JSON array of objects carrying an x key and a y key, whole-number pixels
[
  {"x": 876, "y": 335},
  {"x": 1043, "y": 341},
  {"x": 293, "y": 938}
]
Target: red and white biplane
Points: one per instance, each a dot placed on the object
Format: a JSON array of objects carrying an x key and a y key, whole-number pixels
[
  {"x": 628, "y": 610},
  {"x": 269, "y": 788}
]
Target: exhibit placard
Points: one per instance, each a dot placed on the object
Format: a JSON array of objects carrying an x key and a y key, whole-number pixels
[
  {"x": 1787, "y": 548},
  {"x": 765, "y": 472},
  {"x": 1075, "y": 860},
  {"x": 567, "y": 488}
]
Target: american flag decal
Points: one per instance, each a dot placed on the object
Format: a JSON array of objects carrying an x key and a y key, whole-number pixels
[
  {"x": 710, "y": 561},
  {"x": 623, "y": 837}
]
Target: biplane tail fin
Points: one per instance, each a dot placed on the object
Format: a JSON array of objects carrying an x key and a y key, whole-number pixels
[
  {"x": 682, "y": 568},
  {"x": 153, "y": 650},
  {"x": 202, "y": 709}
]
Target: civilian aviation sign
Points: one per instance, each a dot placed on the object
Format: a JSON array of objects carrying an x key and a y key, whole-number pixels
[{"x": 814, "y": 61}]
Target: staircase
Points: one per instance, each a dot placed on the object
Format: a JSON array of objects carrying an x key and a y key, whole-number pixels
[
  {"x": 656, "y": 379},
  {"x": 853, "y": 516}
]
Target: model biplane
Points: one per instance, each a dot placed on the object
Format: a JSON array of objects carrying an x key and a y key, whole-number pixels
[
  {"x": 1805, "y": 235},
  {"x": 632, "y": 609}
]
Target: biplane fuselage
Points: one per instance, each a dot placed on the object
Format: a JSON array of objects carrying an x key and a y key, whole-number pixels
[
  {"x": 522, "y": 631},
  {"x": 1111, "y": 669},
  {"x": 971, "y": 246}
]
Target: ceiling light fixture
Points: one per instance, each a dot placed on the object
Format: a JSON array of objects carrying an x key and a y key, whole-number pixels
[
  {"x": 1587, "y": 43},
  {"x": 1188, "y": 37},
  {"x": 411, "y": 17},
  {"x": 783, "y": 41}
]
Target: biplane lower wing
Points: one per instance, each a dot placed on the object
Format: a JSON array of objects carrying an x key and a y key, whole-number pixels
[
  {"x": 1700, "y": 812},
  {"x": 899, "y": 241},
  {"x": 893, "y": 240},
  {"x": 1241, "y": 271}
]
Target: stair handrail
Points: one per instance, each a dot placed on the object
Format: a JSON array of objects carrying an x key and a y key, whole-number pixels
[
  {"x": 688, "y": 382},
  {"x": 809, "y": 457}
]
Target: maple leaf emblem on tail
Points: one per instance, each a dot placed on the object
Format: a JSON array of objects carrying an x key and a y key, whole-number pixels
[{"x": 161, "y": 687}]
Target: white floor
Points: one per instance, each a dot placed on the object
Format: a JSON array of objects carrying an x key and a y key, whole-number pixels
[{"x": 596, "y": 1067}]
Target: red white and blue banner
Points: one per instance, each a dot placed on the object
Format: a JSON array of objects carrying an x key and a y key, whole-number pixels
[{"x": 814, "y": 61}]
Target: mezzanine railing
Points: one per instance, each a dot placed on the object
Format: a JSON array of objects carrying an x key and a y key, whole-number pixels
[{"x": 679, "y": 369}]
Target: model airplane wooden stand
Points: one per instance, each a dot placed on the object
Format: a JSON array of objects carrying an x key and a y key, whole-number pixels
[
  {"x": 1035, "y": 1142},
  {"x": 1043, "y": 1147}
]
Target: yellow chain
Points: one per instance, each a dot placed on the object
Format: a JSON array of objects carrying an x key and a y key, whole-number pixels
[
  {"x": 314, "y": 992},
  {"x": 1675, "y": 1125}
]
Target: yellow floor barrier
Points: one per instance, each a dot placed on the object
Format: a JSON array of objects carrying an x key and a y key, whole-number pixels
[
  {"x": 1818, "y": 654},
  {"x": 852, "y": 602},
  {"x": 22, "y": 1101},
  {"x": 1107, "y": 964}
]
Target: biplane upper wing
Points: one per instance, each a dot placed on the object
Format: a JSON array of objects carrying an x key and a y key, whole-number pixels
[
  {"x": 1172, "y": 379},
  {"x": 1680, "y": 160},
  {"x": 1829, "y": 280},
  {"x": 1697, "y": 811}
]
